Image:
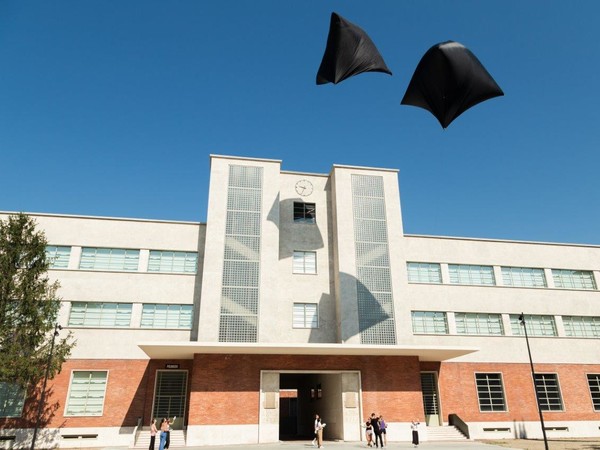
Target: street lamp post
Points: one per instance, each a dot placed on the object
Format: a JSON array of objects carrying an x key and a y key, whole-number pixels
[
  {"x": 57, "y": 327},
  {"x": 537, "y": 397}
]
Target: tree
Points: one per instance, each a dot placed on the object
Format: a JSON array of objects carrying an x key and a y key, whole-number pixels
[{"x": 29, "y": 306}]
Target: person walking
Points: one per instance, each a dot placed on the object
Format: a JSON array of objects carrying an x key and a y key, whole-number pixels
[
  {"x": 376, "y": 430},
  {"x": 153, "y": 431},
  {"x": 414, "y": 426}
]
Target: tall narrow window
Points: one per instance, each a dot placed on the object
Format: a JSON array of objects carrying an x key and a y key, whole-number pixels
[
  {"x": 419, "y": 272},
  {"x": 306, "y": 315},
  {"x": 58, "y": 256},
  {"x": 594, "y": 384},
  {"x": 429, "y": 322},
  {"x": 471, "y": 274},
  {"x": 537, "y": 325},
  {"x": 490, "y": 392},
  {"x": 86, "y": 393},
  {"x": 168, "y": 261},
  {"x": 573, "y": 279},
  {"x": 304, "y": 262},
  {"x": 305, "y": 212},
  {"x": 523, "y": 277},
  {"x": 479, "y": 323},
  {"x": 12, "y": 399},
  {"x": 548, "y": 391},
  {"x": 118, "y": 259}
]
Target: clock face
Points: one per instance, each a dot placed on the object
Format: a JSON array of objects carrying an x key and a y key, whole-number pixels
[{"x": 304, "y": 187}]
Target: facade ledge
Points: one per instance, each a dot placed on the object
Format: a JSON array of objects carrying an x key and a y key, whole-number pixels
[{"x": 187, "y": 350}]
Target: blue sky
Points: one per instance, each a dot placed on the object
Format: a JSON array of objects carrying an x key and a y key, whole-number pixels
[{"x": 111, "y": 108}]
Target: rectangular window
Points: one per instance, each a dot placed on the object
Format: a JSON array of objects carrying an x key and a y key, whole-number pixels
[
  {"x": 305, "y": 212},
  {"x": 306, "y": 315},
  {"x": 58, "y": 256},
  {"x": 523, "y": 277},
  {"x": 471, "y": 274},
  {"x": 573, "y": 279},
  {"x": 548, "y": 391},
  {"x": 429, "y": 322},
  {"x": 594, "y": 383},
  {"x": 109, "y": 259},
  {"x": 479, "y": 323},
  {"x": 581, "y": 326},
  {"x": 12, "y": 399},
  {"x": 304, "y": 262},
  {"x": 424, "y": 272},
  {"x": 537, "y": 325},
  {"x": 167, "y": 316},
  {"x": 96, "y": 314},
  {"x": 86, "y": 393},
  {"x": 177, "y": 262},
  {"x": 490, "y": 392}
]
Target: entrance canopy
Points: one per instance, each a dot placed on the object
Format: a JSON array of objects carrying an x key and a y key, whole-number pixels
[{"x": 186, "y": 350}]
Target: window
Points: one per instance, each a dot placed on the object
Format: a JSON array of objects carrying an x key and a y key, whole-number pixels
[
  {"x": 573, "y": 279},
  {"x": 594, "y": 383},
  {"x": 96, "y": 314},
  {"x": 490, "y": 392},
  {"x": 12, "y": 399},
  {"x": 429, "y": 322},
  {"x": 580, "y": 326},
  {"x": 546, "y": 386},
  {"x": 523, "y": 277},
  {"x": 306, "y": 315},
  {"x": 58, "y": 256},
  {"x": 165, "y": 261},
  {"x": 305, "y": 212},
  {"x": 479, "y": 323},
  {"x": 536, "y": 325},
  {"x": 305, "y": 262},
  {"x": 469, "y": 274},
  {"x": 167, "y": 316},
  {"x": 109, "y": 259},
  {"x": 424, "y": 272},
  {"x": 86, "y": 393}
]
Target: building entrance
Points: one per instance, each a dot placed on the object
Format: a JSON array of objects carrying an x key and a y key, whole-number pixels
[{"x": 170, "y": 395}]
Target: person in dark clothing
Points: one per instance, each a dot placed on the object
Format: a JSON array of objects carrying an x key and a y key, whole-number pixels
[{"x": 376, "y": 430}]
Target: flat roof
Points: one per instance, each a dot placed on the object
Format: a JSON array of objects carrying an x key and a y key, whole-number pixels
[{"x": 187, "y": 350}]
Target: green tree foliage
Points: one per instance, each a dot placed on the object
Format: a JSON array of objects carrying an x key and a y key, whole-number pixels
[{"x": 29, "y": 305}]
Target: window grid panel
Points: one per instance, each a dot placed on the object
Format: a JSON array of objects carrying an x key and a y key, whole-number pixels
[
  {"x": 573, "y": 279},
  {"x": 429, "y": 322},
  {"x": 241, "y": 269},
  {"x": 12, "y": 399},
  {"x": 490, "y": 392},
  {"x": 479, "y": 323},
  {"x": 305, "y": 213},
  {"x": 546, "y": 385},
  {"x": 58, "y": 256},
  {"x": 305, "y": 315},
  {"x": 373, "y": 277},
  {"x": 97, "y": 314},
  {"x": 537, "y": 325},
  {"x": 523, "y": 277},
  {"x": 582, "y": 326},
  {"x": 116, "y": 259},
  {"x": 424, "y": 272},
  {"x": 167, "y": 316},
  {"x": 471, "y": 274},
  {"x": 172, "y": 262},
  {"x": 304, "y": 262},
  {"x": 594, "y": 384},
  {"x": 86, "y": 393}
]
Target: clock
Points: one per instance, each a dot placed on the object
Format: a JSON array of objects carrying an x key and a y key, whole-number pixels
[{"x": 304, "y": 188}]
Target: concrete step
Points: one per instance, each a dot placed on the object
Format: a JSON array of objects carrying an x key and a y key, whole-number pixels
[
  {"x": 445, "y": 433},
  {"x": 177, "y": 439}
]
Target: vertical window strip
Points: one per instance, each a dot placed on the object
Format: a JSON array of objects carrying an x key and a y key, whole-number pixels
[
  {"x": 573, "y": 279},
  {"x": 594, "y": 385},
  {"x": 429, "y": 322},
  {"x": 58, "y": 256},
  {"x": 490, "y": 392},
  {"x": 479, "y": 323},
  {"x": 523, "y": 277},
  {"x": 306, "y": 315},
  {"x": 537, "y": 325},
  {"x": 471, "y": 274},
  {"x": 546, "y": 385},
  {"x": 117, "y": 259},
  {"x": 167, "y": 316},
  {"x": 171, "y": 261},
  {"x": 582, "y": 326},
  {"x": 12, "y": 399},
  {"x": 86, "y": 393},
  {"x": 96, "y": 314},
  {"x": 424, "y": 272}
]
